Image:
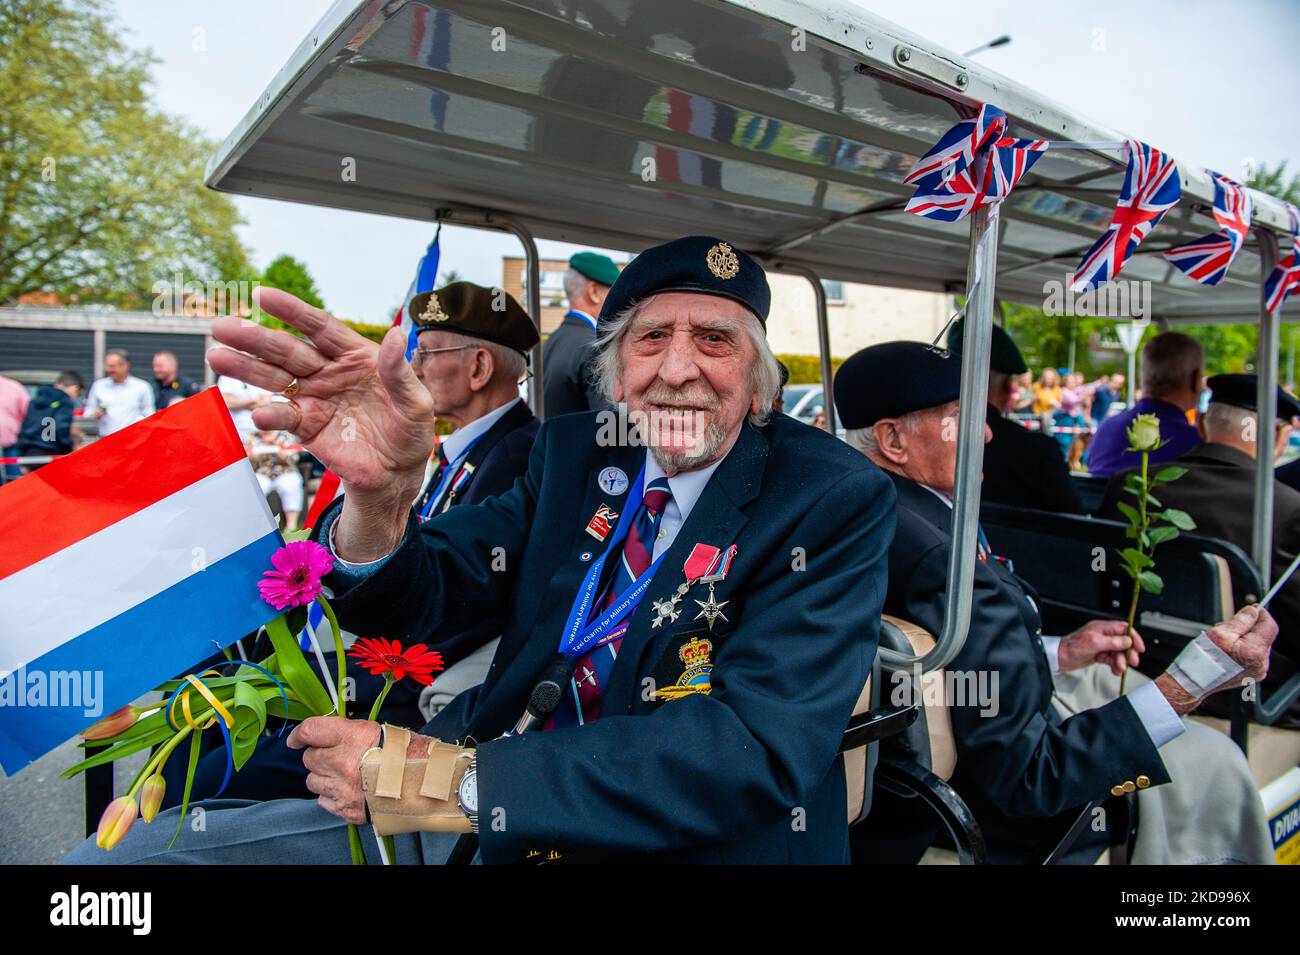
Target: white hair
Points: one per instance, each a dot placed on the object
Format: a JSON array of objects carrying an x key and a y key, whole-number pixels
[
  {"x": 1220, "y": 419},
  {"x": 575, "y": 285},
  {"x": 764, "y": 375},
  {"x": 864, "y": 439}
]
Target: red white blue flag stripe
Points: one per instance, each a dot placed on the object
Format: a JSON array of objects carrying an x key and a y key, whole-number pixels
[
  {"x": 122, "y": 565},
  {"x": 1208, "y": 258},
  {"x": 1285, "y": 277},
  {"x": 1151, "y": 188},
  {"x": 974, "y": 163}
]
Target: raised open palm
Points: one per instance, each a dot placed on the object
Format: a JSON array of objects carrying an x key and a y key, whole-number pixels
[{"x": 359, "y": 407}]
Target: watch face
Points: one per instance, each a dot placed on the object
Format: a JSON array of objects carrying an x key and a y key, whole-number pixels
[{"x": 469, "y": 791}]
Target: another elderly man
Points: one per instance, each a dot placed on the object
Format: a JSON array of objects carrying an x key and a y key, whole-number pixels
[
  {"x": 1021, "y": 467},
  {"x": 119, "y": 398},
  {"x": 1056, "y": 735},
  {"x": 1218, "y": 491},
  {"x": 1171, "y": 376},
  {"x": 710, "y": 604},
  {"x": 567, "y": 356}
]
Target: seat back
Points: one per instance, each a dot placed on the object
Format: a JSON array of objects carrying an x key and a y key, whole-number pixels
[{"x": 1072, "y": 562}]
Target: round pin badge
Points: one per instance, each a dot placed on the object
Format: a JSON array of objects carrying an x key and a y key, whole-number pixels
[
  {"x": 612, "y": 481},
  {"x": 585, "y": 556}
]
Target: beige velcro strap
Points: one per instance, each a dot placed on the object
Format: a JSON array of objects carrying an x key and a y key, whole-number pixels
[{"x": 392, "y": 762}]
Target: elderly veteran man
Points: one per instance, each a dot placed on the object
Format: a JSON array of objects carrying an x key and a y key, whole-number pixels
[
  {"x": 716, "y": 596},
  {"x": 1218, "y": 491},
  {"x": 568, "y": 383},
  {"x": 1056, "y": 734}
]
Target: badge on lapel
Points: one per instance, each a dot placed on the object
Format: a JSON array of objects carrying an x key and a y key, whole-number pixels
[
  {"x": 697, "y": 670},
  {"x": 601, "y": 522},
  {"x": 613, "y": 481}
]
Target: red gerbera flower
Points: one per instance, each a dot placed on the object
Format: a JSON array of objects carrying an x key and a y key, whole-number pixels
[
  {"x": 382, "y": 657},
  {"x": 295, "y": 581}
]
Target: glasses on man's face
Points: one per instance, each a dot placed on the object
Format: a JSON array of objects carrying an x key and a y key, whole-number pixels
[{"x": 418, "y": 357}]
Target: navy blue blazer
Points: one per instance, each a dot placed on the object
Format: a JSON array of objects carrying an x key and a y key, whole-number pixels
[
  {"x": 1024, "y": 772},
  {"x": 747, "y": 773},
  {"x": 498, "y": 459}
]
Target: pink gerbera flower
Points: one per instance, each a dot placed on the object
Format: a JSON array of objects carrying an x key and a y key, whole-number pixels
[{"x": 295, "y": 581}]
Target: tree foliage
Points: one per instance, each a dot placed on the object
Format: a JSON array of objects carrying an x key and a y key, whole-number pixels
[{"x": 101, "y": 195}]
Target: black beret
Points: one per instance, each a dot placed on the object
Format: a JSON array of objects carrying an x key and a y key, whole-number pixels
[
  {"x": 694, "y": 263},
  {"x": 894, "y": 379},
  {"x": 1005, "y": 356},
  {"x": 1241, "y": 391},
  {"x": 469, "y": 309}
]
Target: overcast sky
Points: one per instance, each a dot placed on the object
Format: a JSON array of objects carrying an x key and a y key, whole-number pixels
[{"x": 1168, "y": 71}]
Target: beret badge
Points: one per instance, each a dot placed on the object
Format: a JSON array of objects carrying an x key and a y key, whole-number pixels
[
  {"x": 433, "y": 312},
  {"x": 722, "y": 261}
]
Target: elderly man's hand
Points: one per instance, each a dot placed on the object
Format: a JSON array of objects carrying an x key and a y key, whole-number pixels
[
  {"x": 359, "y": 407},
  {"x": 333, "y": 759},
  {"x": 1247, "y": 637},
  {"x": 1100, "y": 641}
]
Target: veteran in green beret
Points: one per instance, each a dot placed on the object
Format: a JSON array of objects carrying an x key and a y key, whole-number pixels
[{"x": 567, "y": 385}]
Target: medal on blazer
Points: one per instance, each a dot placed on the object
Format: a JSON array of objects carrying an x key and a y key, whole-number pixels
[
  {"x": 701, "y": 559},
  {"x": 711, "y": 609}
]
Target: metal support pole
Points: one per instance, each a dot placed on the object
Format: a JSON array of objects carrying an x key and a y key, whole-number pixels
[
  {"x": 1266, "y": 405},
  {"x": 485, "y": 219},
  {"x": 977, "y": 346},
  {"x": 823, "y": 338}
]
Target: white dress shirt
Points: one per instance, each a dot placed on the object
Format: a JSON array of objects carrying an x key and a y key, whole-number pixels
[
  {"x": 686, "y": 487},
  {"x": 1153, "y": 710},
  {"x": 123, "y": 403},
  {"x": 458, "y": 442}
]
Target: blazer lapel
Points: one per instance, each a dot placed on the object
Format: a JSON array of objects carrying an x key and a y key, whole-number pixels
[{"x": 715, "y": 519}]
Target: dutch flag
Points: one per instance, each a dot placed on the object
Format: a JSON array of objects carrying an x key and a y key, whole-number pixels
[{"x": 123, "y": 565}]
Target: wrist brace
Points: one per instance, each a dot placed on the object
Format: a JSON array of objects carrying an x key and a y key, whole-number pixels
[
  {"x": 1202, "y": 667},
  {"x": 414, "y": 795}
]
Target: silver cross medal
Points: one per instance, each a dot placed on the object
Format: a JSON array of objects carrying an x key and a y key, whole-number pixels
[
  {"x": 666, "y": 609},
  {"x": 710, "y": 609}
]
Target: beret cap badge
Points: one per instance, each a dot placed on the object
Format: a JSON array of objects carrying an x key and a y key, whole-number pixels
[
  {"x": 433, "y": 312},
  {"x": 722, "y": 261}
]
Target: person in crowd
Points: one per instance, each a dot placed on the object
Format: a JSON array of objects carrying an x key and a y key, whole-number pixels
[
  {"x": 1022, "y": 391},
  {"x": 1218, "y": 491},
  {"x": 1070, "y": 416},
  {"x": 47, "y": 426},
  {"x": 1106, "y": 391},
  {"x": 169, "y": 384},
  {"x": 1021, "y": 467},
  {"x": 1171, "y": 375},
  {"x": 1047, "y": 393},
  {"x": 1025, "y": 767},
  {"x": 13, "y": 406},
  {"x": 119, "y": 398},
  {"x": 566, "y": 357},
  {"x": 739, "y": 704},
  {"x": 242, "y": 398},
  {"x": 277, "y": 470}
]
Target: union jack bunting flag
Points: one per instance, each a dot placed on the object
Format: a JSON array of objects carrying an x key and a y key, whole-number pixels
[
  {"x": 974, "y": 163},
  {"x": 1151, "y": 188},
  {"x": 1207, "y": 259},
  {"x": 1285, "y": 277}
]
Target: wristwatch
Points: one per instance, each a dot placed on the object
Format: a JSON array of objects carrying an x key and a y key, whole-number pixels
[{"x": 467, "y": 794}]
